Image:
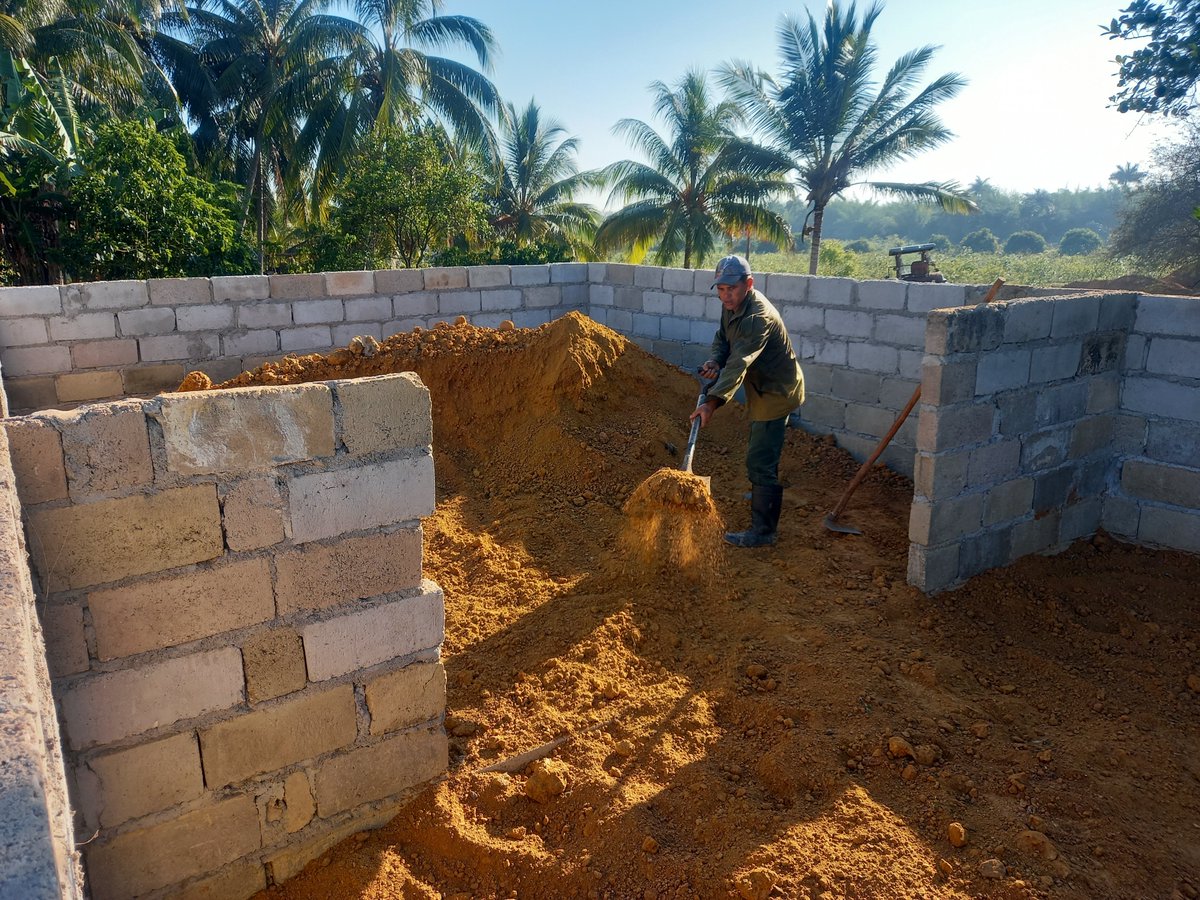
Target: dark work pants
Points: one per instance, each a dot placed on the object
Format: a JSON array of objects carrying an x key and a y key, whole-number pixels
[{"x": 766, "y": 446}]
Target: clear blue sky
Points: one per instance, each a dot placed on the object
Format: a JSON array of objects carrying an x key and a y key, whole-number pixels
[{"x": 1034, "y": 114}]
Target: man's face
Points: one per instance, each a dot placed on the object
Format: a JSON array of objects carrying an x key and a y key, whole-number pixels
[{"x": 732, "y": 295}]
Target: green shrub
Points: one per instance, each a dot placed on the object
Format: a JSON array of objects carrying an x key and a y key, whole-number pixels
[
  {"x": 1080, "y": 242},
  {"x": 1025, "y": 242},
  {"x": 941, "y": 242},
  {"x": 859, "y": 246},
  {"x": 981, "y": 241}
]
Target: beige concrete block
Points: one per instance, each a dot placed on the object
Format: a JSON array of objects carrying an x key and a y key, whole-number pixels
[
  {"x": 103, "y": 354},
  {"x": 66, "y": 646},
  {"x": 274, "y": 664},
  {"x": 107, "y": 448},
  {"x": 168, "y": 611},
  {"x": 299, "y": 805},
  {"x": 85, "y": 386},
  {"x": 385, "y": 769},
  {"x": 326, "y": 504},
  {"x": 246, "y": 428},
  {"x": 37, "y": 459},
  {"x": 408, "y": 697},
  {"x": 269, "y": 739},
  {"x": 153, "y": 379},
  {"x": 108, "y": 707},
  {"x": 30, "y": 393},
  {"x": 318, "y": 576},
  {"x": 384, "y": 413},
  {"x": 93, "y": 543},
  {"x": 297, "y": 287},
  {"x": 367, "y": 637},
  {"x": 288, "y": 862},
  {"x": 120, "y": 786},
  {"x": 200, "y": 841},
  {"x": 179, "y": 291},
  {"x": 349, "y": 284},
  {"x": 253, "y": 514},
  {"x": 241, "y": 879},
  {"x": 399, "y": 281},
  {"x": 36, "y": 360}
]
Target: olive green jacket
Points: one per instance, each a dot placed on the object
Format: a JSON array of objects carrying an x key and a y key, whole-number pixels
[{"x": 752, "y": 346}]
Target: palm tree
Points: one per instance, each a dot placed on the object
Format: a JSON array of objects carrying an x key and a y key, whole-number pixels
[
  {"x": 534, "y": 180},
  {"x": 702, "y": 182},
  {"x": 834, "y": 123},
  {"x": 1127, "y": 176}
]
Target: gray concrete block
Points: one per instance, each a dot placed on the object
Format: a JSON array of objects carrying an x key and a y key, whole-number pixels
[
  {"x": 369, "y": 309},
  {"x": 346, "y": 332},
  {"x": 1117, "y": 312},
  {"x": 264, "y": 315},
  {"x": 1080, "y": 520},
  {"x": 1119, "y": 515},
  {"x": 104, "y": 295},
  {"x": 399, "y": 281},
  {"x": 953, "y": 427},
  {"x": 994, "y": 462},
  {"x": 1035, "y": 535},
  {"x": 34, "y": 300},
  {"x": 803, "y": 319},
  {"x": 1129, "y": 436},
  {"x": 542, "y": 296},
  {"x": 824, "y": 412},
  {"x": 689, "y": 306},
  {"x": 1168, "y": 315},
  {"x": 942, "y": 475},
  {"x": 645, "y": 277},
  {"x": 1051, "y": 489},
  {"x": 1002, "y": 370},
  {"x": 297, "y": 287},
  {"x": 619, "y": 273},
  {"x": 947, "y": 520},
  {"x": 1166, "y": 527},
  {"x": 414, "y": 305},
  {"x": 975, "y": 329},
  {"x": 1008, "y": 501},
  {"x": 899, "y": 458},
  {"x": 314, "y": 312},
  {"x": 311, "y": 337},
  {"x": 1044, "y": 450},
  {"x": 1062, "y": 403},
  {"x": 831, "y": 291},
  {"x": 1104, "y": 352},
  {"x": 779, "y": 287},
  {"x": 150, "y": 320},
  {"x": 1174, "y": 485},
  {"x": 904, "y": 331},
  {"x": 702, "y": 332},
  {"x": 1027, "y": 320},
  {"x": 859, "y": 387},
  {"x": 818, "y": 379},
  {"x": 673, "y": 329},
  {"x": 873, "y": 357},
  {"x": 489, "y": 276},
  {"x": 981, "y": 552},
  {"x": 657, "y": 303},
  {"x": 502, "y": 299},
  {"x": 932, "y": 569},
  {"x": 1091, "y": 435},
  {"x": 894, "y": 393},
  {"x": 679, "y": 281},
  {"x": 600, "y": 294},
  {"x": 848, "y": 323},
  {"x": 1104, "y": 393},
  {"x": 1173, "y": 356},
  {"x": 1135, "y": 353},
  {"x": 445, "y": 278},
  {"x": 628, "y": 297},
  {"x": 943, "y": 383},
  {"x": 1056, "y": 362},
  {"x": 530, "y": 318},
  {"x": 1172, "y": 442},
  {"x": 868, "y": 420},
  {"x": 1161, "y": 398},
  {"x": 668, "y": 351},
  {"x": 832, "y": 353},
  {"x": 923, "y": 298},
  {"x": 889, "y": 294},
  {"x": 646, "y": 325},
  {"x": 209, "y": 317},
  {"x": 527, "y": 275},
  {"x": 85, "y": 326},
  {"x": 909, "y": 365},
  {"x": 455, "y": 303},
  {"x": 1075, "y": 316}
]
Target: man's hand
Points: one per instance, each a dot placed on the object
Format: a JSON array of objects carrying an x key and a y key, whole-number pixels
[
  {"x": 704, "y": 411},
  {"x": 710, "y": 369}
]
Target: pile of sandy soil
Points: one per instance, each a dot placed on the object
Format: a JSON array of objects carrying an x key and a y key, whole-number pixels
[{"x": 785, "y": 722}]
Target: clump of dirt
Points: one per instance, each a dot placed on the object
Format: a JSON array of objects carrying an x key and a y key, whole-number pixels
[
  {"x": 799, "y": 723},
  {"x": 672, "y": 522},
  {"x": 1176, "y": 284}
]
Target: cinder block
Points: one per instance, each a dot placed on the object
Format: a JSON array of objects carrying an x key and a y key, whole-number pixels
[
  {"x": 488, "y": 276},
  {"x": 241, "y": 879},
  {"x": 311, "y": 337},
  {"x": 803, "y": 319},
  {"x": 106, "y": 448},
  {"x": 542, "y": 297},
  {"x": 1091, "y": 435},
  {"x": 407, "y": 697},
  {"x": 22, "y": 332},
  {"x": 657, "y": 303},
  {"x": 127, "y": 784},
  {"x": 944, "y": 383},
  {"x": 291, "y": 860},
  {"x": 300, "y": 804},
  {"x": 240, "y": 287},
  {"x": 1168, "y": 315},
  {"x": 906, "y": 331},
  {"x": 349, "y": 284},
  {"x": 445, "y": 279},
  {"x": 274, "y": 664},
  {"x": 326, "y": 504},
  {"x": 173, "y": 610},
  {"x": 1080, "y": 520},
  {"x": 502, "y": 300},
  {"x": 679, "y": 281},
  {"x": 868, "y": 420},
  {"x": 994, "y": 462},
  {"x": 601, "y": 295},
  {"x": 894, "y": 394},
  {"x": 1135, "y": 353},
  {"x": 702, "y": 332},
  {"x": 619, "y": 273},
  {"x": 646, "y": 277},
  {"x": 311, "y": 312},
  {"x": 909, "y": 365},
  {"x": 1104, "y": 394},
  {"x": 204, "y": 318},
  {"x": 384, "y": 413},
  {"x": 192, "y": 347},
  {"x": 143, "y": 860},
  {"x": 83, "y": 327},
  {"x": 1044, "y": 449},
  {"x": 103, "y": 354},
  {"x": 35, "y": 447},
  {"x": 646, "y": 326},
  {"x": 974, "y": 329},
  {"x": 366, "y": 637},
  {"x": 1052, "y": 489},
  {"x": 1103, "y": 353},
  {"x": 29, "y": 394},
  {"x": 252, "y": 511},
  {"x": 531, "y": 318},
  {"x": 1075, "y": 315},
  {"x": 152, "y": 379},
  {"x": 568, "y": 273},
  {"x": 104, "y": 295},
  {"x": 66, "y": 645},
  {"x": 848, "y": 323},
  {"x": 831, "y": 291},
  {"x": 179, "y": 291},
  {"x": 940, "y": 476},
  {"x": 390, "y": 767},
  {"x": 1002, "y": 370},
  {"x": 39, "y": 300},
  {"x": 94, "y": 543},
  {"x": 1035, "y": 535},
  {"x": 1172, "y": 356},
  {"x": 951, "y": 427},
  {"x": 1154, "y": 396},
  {"x": 1165, "y": 527},
  {"x": 1008, "y": 501},
  {"x": 884, "y": 295},
  {"x": 1062, "y": 403},
  {"x": 945, "y": 520},
  {"x": 1120, "y": 515},
  {"x": 1018, "y": 412},
  {"x": 1173, "y": 485},
  {"x": 264, "y": 315},
  {"x": 297, "y": 287},
  {"x": 369, "y": 309},
  {"x": 262, "y": 340},
  {"x": 1117, "y": 312},
  {"x": 399, "y": 281},
  {"x": 1170, "y": 442},
  {"x": 151, "y": 320},
  {"x": 525, "y": 275},
  {"x": 981, "y": 552},
  {"x": 932, "y": 569},
  {"x": 318, "y": 576},
  {"x": 818, "y": 379},
  {"x": 673, "y": 329},
  {"x": 1027, "y": 320},
  {"x": 403, "y": 325},
  {"x": 459, "y": 302},
  {"x": 872, "y": 357},
  {"x": 269, "y": 739},
  {"x": 823, "y": 412},
  {"x": 246, "y": 428},
  {"x": 108, "y": 707},
  {"x": 84, "y": 387},
  {"x": 922, "y": 298}
]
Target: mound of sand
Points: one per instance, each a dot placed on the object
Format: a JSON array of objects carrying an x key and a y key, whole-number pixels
[{"x": 800, "y": 722}]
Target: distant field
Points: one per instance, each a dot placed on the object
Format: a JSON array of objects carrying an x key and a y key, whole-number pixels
[{"x": 965, "y": 267}]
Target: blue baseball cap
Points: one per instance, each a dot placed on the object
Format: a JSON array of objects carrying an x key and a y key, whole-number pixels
[{"x": 731, "y": 270}]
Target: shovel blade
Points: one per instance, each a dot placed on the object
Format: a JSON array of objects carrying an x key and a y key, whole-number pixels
[{"x": 833, "y": 524}]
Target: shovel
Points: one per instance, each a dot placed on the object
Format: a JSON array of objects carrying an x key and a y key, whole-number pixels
[{"x": 690, "y": 451}]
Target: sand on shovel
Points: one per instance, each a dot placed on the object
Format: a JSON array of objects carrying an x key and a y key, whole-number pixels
[{"x": 672, "y": 522}]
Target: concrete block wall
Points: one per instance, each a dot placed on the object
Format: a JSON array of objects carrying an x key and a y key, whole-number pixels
[
  {"x": 244, "y": 654},
  {"x": 38, "y": 860},
  {"x": 80, "y": 343},
  {"x": 1156, "y": 495},
  {"x": 1018, "y": 419}
]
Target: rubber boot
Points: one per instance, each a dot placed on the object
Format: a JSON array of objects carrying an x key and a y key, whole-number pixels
[{"x": 766, "y": 501}]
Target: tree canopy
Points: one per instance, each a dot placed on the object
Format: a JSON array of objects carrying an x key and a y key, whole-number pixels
[{"x": 1161, "y": 75}]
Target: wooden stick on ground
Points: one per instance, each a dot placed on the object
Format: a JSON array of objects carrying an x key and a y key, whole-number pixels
[{"x": 521, "y": 760}]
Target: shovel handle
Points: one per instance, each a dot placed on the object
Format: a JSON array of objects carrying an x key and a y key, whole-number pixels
[{"x": 695, "y": 432}]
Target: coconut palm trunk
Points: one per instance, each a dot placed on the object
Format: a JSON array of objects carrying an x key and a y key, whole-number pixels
[{"x": 814, "y": 253}]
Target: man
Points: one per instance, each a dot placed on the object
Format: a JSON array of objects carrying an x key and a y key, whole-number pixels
[{"x": 752, "y": 347}]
